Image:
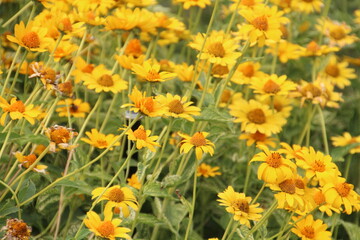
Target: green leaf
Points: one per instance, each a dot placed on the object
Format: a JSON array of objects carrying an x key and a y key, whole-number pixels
[
  {"x": 149, "y": 219},
  {"x": 352, "y": 229},
  {"x": 243, "y": 232},
  {"x": 176, "y": 213},
  {"x": 213, "y": 114},
  {"x": 171, "y": 181},
  {"x": 23, "y": 139},
  {"x": 155, "y": 190},
  {"x": 7, "y": 208},
  {"x": 79, "y": 184},
  {"x": 26, "y": 191},
  {"x": 48, "y": 202},
  {"x": 338, "y": 153}
]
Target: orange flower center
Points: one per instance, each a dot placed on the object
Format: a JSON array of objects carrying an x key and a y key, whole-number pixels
[
  {"x": 319, "y": 198},
  {"x": 65, "y": 88},
  {"x": 248, "y": 3},
  {"x": 219, "y": 70},
  {"x": 19, "y": 230},
  {"x": 257, "y": 116},
  {"x": 29, "y": 160},
  {"x": 88, "y": 68},
  {"x": 260, "y": 23},
  {"x": 153, "y": 75},
  {"x": 258, "y": 136},
  {"x": 31, "y": 40},
  {"x": 242, "y": 205},
  {"x": 332, "y": 70},
  {"x": 116, "y": 195},
  {"x": 288, "y": 186},
  {"x": 271, "y": 87},
  {"x": 106, "y": 229},
  {"x": 308, "y": 231},
  {"x": 248, "y": 70},
  {"x": 338, "y": 33},
  {"x": 140, "y": 134},
  {"x": 313, "y": 47},
  {"x": 198, "y": 140},
  {"x": 106, "y": 80},
  {"x": 343, "y": 189},
  {"x": 90, "y": 15},
  {"x": 133, "y": 48},
  {"x": 65, "y": 25},
  {"x": 315, "y": 91},
  {"x": 49, "y": 74},
  {"x": 175, "y": 106},
  {"x": 60, "y": 135},
  {"x": 17, "y": 106},
  {"x": 274, "y": 160},
  {"x": 318, "y": 166},
  {"x": 102, "y": 143},
  {"x": 217, "y": 49}
]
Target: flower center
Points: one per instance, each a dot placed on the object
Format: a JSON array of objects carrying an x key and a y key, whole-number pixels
[
  {"x": 20, "y": 230},
  {"x": 66, "y": 25},
  {"x": 60, "y": 135},
  {"x": 198, "y": 140},
  {"x": 17, "y": 106},
  {"x": 288, "y": 186},
  {"x": 217, "y": 49},
  {"x": 242, "y": 205},
  {"x": 175, "y": 106},
  {"x": 271, "y": 87},
  {"x": 88, "y": 68},
  {"x": 258, "y": 136},
  {"x": 102, "y": 143},
  {"x": 140, "y": 134},
  {"x": 148, "y": 103},
  {"x": 311, "y": 88},
  {"x": 332, "y": 70},
  {"x": 49, "y": 74},
  {"x": 257, "y": 116},
  {"x": 106, "y": 229},
  {"x": 29, "y": 160},
  {"x": 31, "y": 40},
  {"x": 274, "y": 160},
  {"x": 74, "y": 108},
  {"x": 225, "y": 96},
  {"x": 278, "y": 106},
  {"x": 133, "y": 48},
  {"x": 260, "y": 23},
  {"x": 105, "y": 80},
  {"x": 299, "y": 183},
  {"x": 308, "y": 1},
  {"x": 338, "y": 33},
  {"x": 318, "y": 166},
  {"x": 219, "y": 70},
  {"x": 343, "y": 189},
  {"x": 248, "y": 3},
  {"x": 248, "y": 70},
  {"x": 65, "y": 88},
  {"x": 319, "y": 198},
  {"x": 308, "y": 231},
  {"x": 313, "y": 47},
  {"x": 116, "y": 195}
]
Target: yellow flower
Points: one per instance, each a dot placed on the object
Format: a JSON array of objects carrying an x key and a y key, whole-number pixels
[
  {"x": 81, "y": 68},
  {"x": 245, "y": 4},
  {"x": 255, "y": 116},
  {"x": 258, "y": 138},
  {"x": 30, "y": 37},
  {"x": 102, "y": 79},
  {"x": 337, "y": 73},
  {"x": 282, "y": 104},
  {"x": 313, "y": 49},
  {"x": 76, "y": 108},
  {"x": 315, "y": 198},
  {"x": 199, "y": 141},
  {"x": 275, "y": 168},
  {"x": 207, "y": 171},
  {"x": 357, "y": 16},
  {"x": 345, "y": 140},
  {"x": 17, "y": 110},
  {"x": 128, "y": 61},
  {"x": 100, "y": 140},
  {"x": 239, "y": 205},
  {"x": 219, "y": 48},
  {"x": 308, "y": 229},
  {"x": 48, "y": 76},
  {"x": 308, "y": 6},
  {"x": 246, "y": 72},
  {"x": 63, "y": 50},
  {"x": 272, "y": 85},
  {"x": 150, "y": 71},
  {"x": 133, "y": 181},
  {"x": 119, "y": 197},
  {"x": 142, "y": 138},
  {"x": 285, "y": 50},
  {"x": 27, "y": 161},
  {"x": 292, "y": 152},
  {"x": 191, "y": 3},
  {"x": 178, "y": 107},
  {"x": 109, "y": 228},
  {"x": 123, "y": 18},
  {"x": 185, "y": 72},
  {"x": 60, "y": 137}
]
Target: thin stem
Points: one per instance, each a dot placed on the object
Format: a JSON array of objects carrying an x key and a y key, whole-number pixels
[
  {"x": 192, "y": 204},
  {"x": 263, "y": 219},
  {"x": 14, "y": 196},
  {"x": 323, "y": 129},
  {"x": 311, "y": 113},
  {"x": 259, "y": 193},
  {"x": 5, "y": 141},
  {"x": 10, "y": 70},
  {"x": 23, "y": 9},
  {"x": 17, "y": 72},
  {"x": 106, "y": 119},
  {"x": 227, "y": 230}
]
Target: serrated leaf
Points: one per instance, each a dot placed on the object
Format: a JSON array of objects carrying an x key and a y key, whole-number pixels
[
  {"x": 155, "y": 190},
  {"x": 7, "y": 208},
  {"x": 26, "y": 191}
]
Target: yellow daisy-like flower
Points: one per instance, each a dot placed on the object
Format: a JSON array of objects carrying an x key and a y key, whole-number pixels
[
  {"x": 199, "y": 141},
  {"x": 255, "y": 116},
  {"x": 81, "y": 69},
  {"x": 102, "y": 80},
  {"x": 290, "y": 195},
  {"x": 127, "y": 61},
  {"x": 239, "y": 205},
  {"x": 258, "y": 138},
  {"x": 100, "y": 140},
  {"x": 133, "y": 181},
  {"x": 194, "y": 3},
  {"x": 178, "y": 107},
  {"x": 282, "y": 104},
  {"x": 76, "y": 107},
  {"x": 30, "y": 37},
  {"x": 109, "y": 228},
  {"x": 338, "y": 73},
  {"x": 292, "y": 152},
  {"x": 63, "y": 50},
  {"x": 207, "y": 171},
  {"x": 315, "y": 198},
  {"x": 308, "y": 6},
  {"x": 185, "y": 72},
  {"x": 272, "y": 85},
  {"x": 263, "y": 23},
  {"x": 310, "y": 229},
  {"x": 27, "y": 161},
  {"x": 275, "y": 168},
  {"x": 142, "y": 138},
  {"x": 60, "y": 137},
  {"x": 246, "y": 72},
  {"x": 338, "y": 192},
  {"x": 219, "y": 48},
  {"x": 357, "y": 16},
  {"x": 17, "y": 110},
  {"x": 346, "y": 139},
  {"x": 150, "y": 71},
  {"x": 241, "y": 4},
  {"x": 119, "y": 197},
  {"x": 285, "y": 50},
  {"x": 313, "y": 49},
  {"x": 318, "y": 166}
]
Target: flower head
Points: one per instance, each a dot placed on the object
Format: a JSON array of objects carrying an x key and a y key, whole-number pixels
[
  {"x": 199, "y": 142},
  {"x": 18, "y": 110},
  {"x": 60, "y": 137},
  {"x": 75, "y": 107},
  {"x": 142, "y": 138},
  {"x": 27, "y": 161},
  {"x": 133, "y": 181},
  {"x": 150, "y": 72},
  {"x": 310, "y": 229},
  {"x": 345, "y": 140},
  {"x": 207, "y": 171},
  {"x": 17, "y": 229},
  {"x": 100, "y": 140}
]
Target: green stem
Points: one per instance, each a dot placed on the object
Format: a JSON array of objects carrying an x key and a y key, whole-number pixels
[
  {"x": 347, "y": 166},
  {"x": 17, "y": 72},
  {"x": 229, "y": 226},
  {"x": 263, "y": 219},
  {"x": 23, "y": 9},
  {"x": 311, "y": 113},
  {"x": 206, "y": 88},
  {"x": 15, "y": 197},
  {"x": 5, "y": 141},
  {"x": 192, "y": 204},
  {"x": 259, "y": 193},
  {"x": 231, "y": 22},
  {"x": 106, "y": 119},
  {"x": 323, "y": 129},
  {"x": 10, "y": 70}
]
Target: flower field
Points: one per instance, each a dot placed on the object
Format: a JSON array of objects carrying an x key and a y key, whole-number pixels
[{"x": 179, "y": 119}]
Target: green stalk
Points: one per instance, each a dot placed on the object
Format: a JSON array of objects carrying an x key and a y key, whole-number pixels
[
  {"x": 311, "y": 112},
  {"x": 106, "y": 119},
  {"x": 228, "y": 227},
  {"x": 323, "y": 129},
  {"x": 10, "y": 71},
  {"x": 17, "y": 72},
  {"x": 192, "y": 204},
  {"x": 5, "y": 141},
  {"x": 14, "y": 196},
  {"x": 263, "y": 219},
  {"x": 259, "y": 193},
  {"x": 23, "y": 9}
]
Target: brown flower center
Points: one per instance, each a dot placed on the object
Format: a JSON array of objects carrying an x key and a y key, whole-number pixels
[
  {"x": 288, "y": 186},
  {"x": 311, "y": 88},
  {"x": 257, "y": 116},
  {"x": 198, "y": 140},
  {"x": 133, "y": 48},
  {"x": 225, "y": 96},
  {"x": 248, "y": 70},
  {"x": 175, "y": 106},
  {"x": 74, "y": 108},
  {"x": 242, "y": 205},
  {"x": 18, "y": 229},
  {"x": 271, "y": 87},
  {"x": 258, "y": 136},
  {"x": 274, "y": 160},
  {"x": 116, "y": 195},
  {"x": 65, "y": 88},
  {"x": 17, "y": 106},
  {"x": 343, "y": 189},
  {"x": 88, "y": 68},
  {"x": 106, "y": 80},
  {"x": 308, "y": 1},
  {"x": 31, "y": 40},
  {"x": 60, "y": 135},
  {"x": 106, "y": 229},
  {"x": 219, "y": 70},
  {"x": 217, "y": 49},
  {"x": 308, "y": 231},
  {"x": 332, "y": 70},
  {"x": 338, "y": 33},
  {"x": 140, "y": 134},
  {"x": 299, "y": 183},
  {"x": 102, "y": 143},
  {"x": 49, "y": 74},
  {"x": 319, "y": 198},
  {"x": 260, "y": 23},
  {"x": 318, "y": 166},
  {"x": 65, "y": 25}
]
